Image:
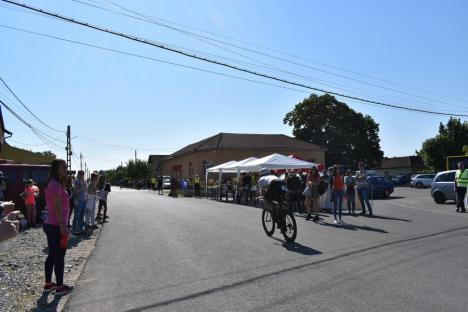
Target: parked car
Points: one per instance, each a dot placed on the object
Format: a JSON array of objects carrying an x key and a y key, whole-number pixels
[
  {"x": 380, "y": 186},
  {"x": 166, "y": 182},
  {"x": 422, "y": 180},
  {"x": 401, "y": 179},
  {"x": 442, "y": 187}
]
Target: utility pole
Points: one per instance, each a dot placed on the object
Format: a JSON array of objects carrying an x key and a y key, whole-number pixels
[
  {"x": 86, "y": 170},
  {"x": 68, "y": 149},
  {"x": 81, "y": 161},
  {"x": 135, "y": 156}
]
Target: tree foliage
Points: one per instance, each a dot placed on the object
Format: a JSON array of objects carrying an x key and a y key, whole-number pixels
[
  {"x": 349, "y": 136},
  {"x": 450, "y": 141},
  {"x": 133, "y": 171}
]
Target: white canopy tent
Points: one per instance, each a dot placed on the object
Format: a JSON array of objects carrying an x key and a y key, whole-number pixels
[
  {"x": 219, "y": 169},
  {"x": 274, "y": 162}
]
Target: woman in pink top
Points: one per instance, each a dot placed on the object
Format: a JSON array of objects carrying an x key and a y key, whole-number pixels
[
  {"x": 30, "y": 203},
  {"x": 58, "y": 207}
]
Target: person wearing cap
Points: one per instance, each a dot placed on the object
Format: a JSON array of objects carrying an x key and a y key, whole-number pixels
[
  {"x": 461, "y": 183},
  {"x": 30, "y": 203}
]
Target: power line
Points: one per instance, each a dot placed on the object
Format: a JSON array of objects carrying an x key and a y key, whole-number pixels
[
  {"x": 121, "y": 146},
  {"x": 337, "y": 86},
  {"x": 24, "y": 105},
  {"x": 166, "y": 62},
  {"x": 154, "y": 20},
  {"x": 149, "y": 58},
  {"x": 194, "y": 56},
  {"x": 289, "y": 54}
]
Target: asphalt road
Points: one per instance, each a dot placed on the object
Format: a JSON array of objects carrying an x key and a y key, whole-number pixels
[{"x": 163, "y": 254}]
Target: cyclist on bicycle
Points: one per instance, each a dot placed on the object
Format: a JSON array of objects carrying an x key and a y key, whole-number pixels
[{"x": 272, "y": 190}]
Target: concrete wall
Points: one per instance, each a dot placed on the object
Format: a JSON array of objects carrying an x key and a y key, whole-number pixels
[{"x": 192, "y": 164}]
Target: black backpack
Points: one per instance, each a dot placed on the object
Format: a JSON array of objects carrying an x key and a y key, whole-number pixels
[{"x": 294, "y": 183}]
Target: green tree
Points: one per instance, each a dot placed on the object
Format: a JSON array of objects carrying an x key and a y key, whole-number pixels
[
  {"x": 450, "y": 141},
  {"x": 349, "y": 136},
  {"x": 49, "y": 154},
  {"x": 138, "y": 170}
]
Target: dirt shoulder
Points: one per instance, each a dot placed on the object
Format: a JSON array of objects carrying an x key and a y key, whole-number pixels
[{"x": 22, "y": 270}]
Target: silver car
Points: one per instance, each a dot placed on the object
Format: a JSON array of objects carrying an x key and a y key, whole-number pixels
[
  {"x": 442, "y": 186},
  {"x": 422, "y": 180}
]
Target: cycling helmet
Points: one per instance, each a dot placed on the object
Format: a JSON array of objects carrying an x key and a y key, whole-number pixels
[{"x": 264, "y": 171}]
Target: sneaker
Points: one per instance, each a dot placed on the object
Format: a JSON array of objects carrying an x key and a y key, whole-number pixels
[
  {"x": 362, "y": 213},
  {"x": 63, "y": 290},
  {"x": 458, "y": 209},
  {"x": 48, "y": 287},
  {"x": 335, "y": 222},
  {"x": 341, "y": 222},
  {"x": 308, "y": 217},
  {"x": 316, "y": 219}
]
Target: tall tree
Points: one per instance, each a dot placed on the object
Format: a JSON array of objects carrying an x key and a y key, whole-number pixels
[
  {"x": 449, "y": 142},
  {"x": 349, "y": 136}
]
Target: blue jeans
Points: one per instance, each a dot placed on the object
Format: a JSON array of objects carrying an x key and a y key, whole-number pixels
[
  {"x": 78, "y": 217},
  {"x": 351, "y": 200},
  {"x": 363, "y": 194},
  {"x": 337, "y": 196}
]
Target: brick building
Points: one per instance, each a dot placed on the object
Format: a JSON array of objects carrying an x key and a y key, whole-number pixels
[{"x": 222, "y": 147}]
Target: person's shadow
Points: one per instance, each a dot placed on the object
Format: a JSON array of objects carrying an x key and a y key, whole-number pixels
[
  {"x": 42, "y": 304},
  {"x": 352, "y": 227}
]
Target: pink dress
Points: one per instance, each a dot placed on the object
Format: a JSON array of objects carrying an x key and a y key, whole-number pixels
[{"x": 55, "y": 189}]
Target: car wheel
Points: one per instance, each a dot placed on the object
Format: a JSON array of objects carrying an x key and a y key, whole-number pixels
[
  {"x": 439, "y": 197},
  {"x": 386, "y": 193},
  {"x": 419, "y": 185}
]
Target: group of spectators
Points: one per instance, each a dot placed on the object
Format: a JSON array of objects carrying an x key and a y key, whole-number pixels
[{"x": 64, "y": 196}]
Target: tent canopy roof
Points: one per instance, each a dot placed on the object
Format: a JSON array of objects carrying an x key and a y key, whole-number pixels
[{"x": 275, "y": 161}]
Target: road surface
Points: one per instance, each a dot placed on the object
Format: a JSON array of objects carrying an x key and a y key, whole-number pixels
[{"x": 163, "y": 254}]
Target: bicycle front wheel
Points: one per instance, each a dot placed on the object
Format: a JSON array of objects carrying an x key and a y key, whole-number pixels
[
  {"x": 268, "y": 222},
  {"x": 290, "y": 227}
]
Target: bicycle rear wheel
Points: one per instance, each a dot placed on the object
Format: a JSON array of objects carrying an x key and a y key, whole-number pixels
[
  {"x": 268, "y": 222},
  {"x": 290, "y": 227}
]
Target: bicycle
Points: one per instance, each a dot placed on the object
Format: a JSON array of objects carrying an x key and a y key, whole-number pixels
[{"x": 283, "y": 219}]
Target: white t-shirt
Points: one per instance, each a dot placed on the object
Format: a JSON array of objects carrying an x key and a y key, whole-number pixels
[{"x": 265, "y": 181}]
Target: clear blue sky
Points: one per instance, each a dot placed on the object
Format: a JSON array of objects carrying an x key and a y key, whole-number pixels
[{"x": 133, "y": 102}]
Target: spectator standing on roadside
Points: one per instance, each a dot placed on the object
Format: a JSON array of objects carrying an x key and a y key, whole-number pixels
[
  {"x": 103, "y": 202},
  {"x": 196, "y": 184},
  {"x": 30, "y": 203},
  {"x": 55, "y": 228},
  {"x": 80, "y": 201},
  {"x": 363, "y": 189},
  {"x": 246, "y": 186},
  {"x": 160, "y": 186},
  {"x": 71, "y": 196},
  {"x": 311, "y": 192},
  {"x": 461, "y": 183},
  {"x": 337, "y": 191},
  {"x": 2, "y": 186},
  {"x": 90, "y": 216},
  {"x": 350, "y": 183}
]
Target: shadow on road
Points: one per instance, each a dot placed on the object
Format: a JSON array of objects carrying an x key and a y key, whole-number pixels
[
  {"x": 299, "y": 248},
  {"x": 353, "y": 227},
  {"x": 390, "y": 218},
  {"x": 44, "y": 306}
]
